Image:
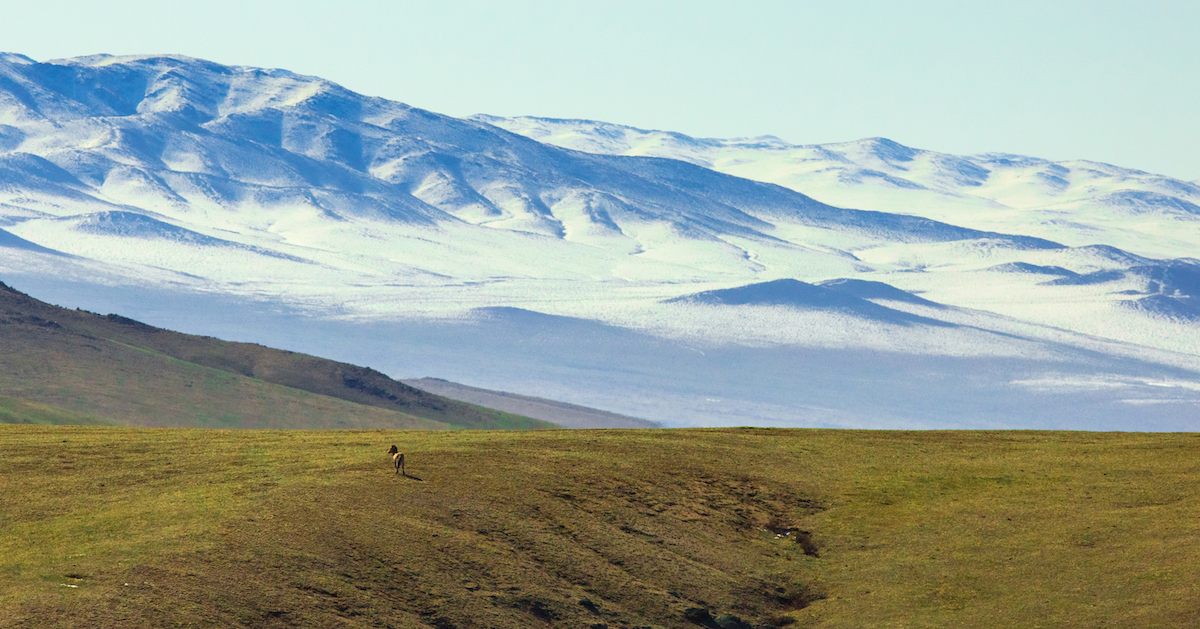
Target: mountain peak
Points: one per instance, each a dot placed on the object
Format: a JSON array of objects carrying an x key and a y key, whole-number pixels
[
  {"x": 103, "y": 59},
  {"x": 15, "y": 58},
  {"x": 882, "y": 148}
]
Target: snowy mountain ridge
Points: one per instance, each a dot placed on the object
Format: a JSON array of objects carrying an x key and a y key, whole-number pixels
[
  {"x": 593, "y": 263},
  {"x": 1075, "y": 202}
]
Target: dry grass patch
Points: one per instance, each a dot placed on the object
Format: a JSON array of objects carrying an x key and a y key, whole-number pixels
[{"x": 588, "y": 528}]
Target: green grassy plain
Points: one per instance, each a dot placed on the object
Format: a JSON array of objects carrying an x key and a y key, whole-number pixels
[{"x": 106, "y": 526}]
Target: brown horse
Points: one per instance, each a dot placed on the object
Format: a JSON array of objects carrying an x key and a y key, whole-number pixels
[{"x": 398, "y": 459}]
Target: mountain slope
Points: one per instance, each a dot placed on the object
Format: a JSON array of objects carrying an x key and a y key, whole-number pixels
[
  {"x": 265, "y": 206},
  {"x": 1077, "y": 202},
  {"x": 117, "y": 370},
  {"x": 271, "y": 163}
]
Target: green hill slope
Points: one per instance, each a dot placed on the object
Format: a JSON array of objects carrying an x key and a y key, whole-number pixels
[
  {"x": 632, "y": 528},
  {"x": 116, "y": 370}
]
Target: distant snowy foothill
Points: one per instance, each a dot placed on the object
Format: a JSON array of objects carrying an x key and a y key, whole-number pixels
[{"x": 688, "y": 281}]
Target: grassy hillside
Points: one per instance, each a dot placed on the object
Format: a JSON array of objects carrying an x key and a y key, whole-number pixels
[
  {"x": 802, "y": 528},
  {"x": 116, "y": 370},
  {"x": 18, "y": 411}
]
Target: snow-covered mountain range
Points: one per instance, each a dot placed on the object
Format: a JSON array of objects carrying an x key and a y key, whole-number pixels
[
  {"x": 682, "y": 280},
  {"x": 1074, "y": 202}
]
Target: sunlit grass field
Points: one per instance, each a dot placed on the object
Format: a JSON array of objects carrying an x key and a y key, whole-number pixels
[{"x": 106, "y": 526}]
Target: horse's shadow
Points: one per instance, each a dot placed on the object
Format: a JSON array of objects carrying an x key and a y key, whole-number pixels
[{"x": 411, "y": 477}]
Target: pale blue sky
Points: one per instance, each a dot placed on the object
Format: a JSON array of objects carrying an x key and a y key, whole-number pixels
[{"x": 1109, "y": 81}]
